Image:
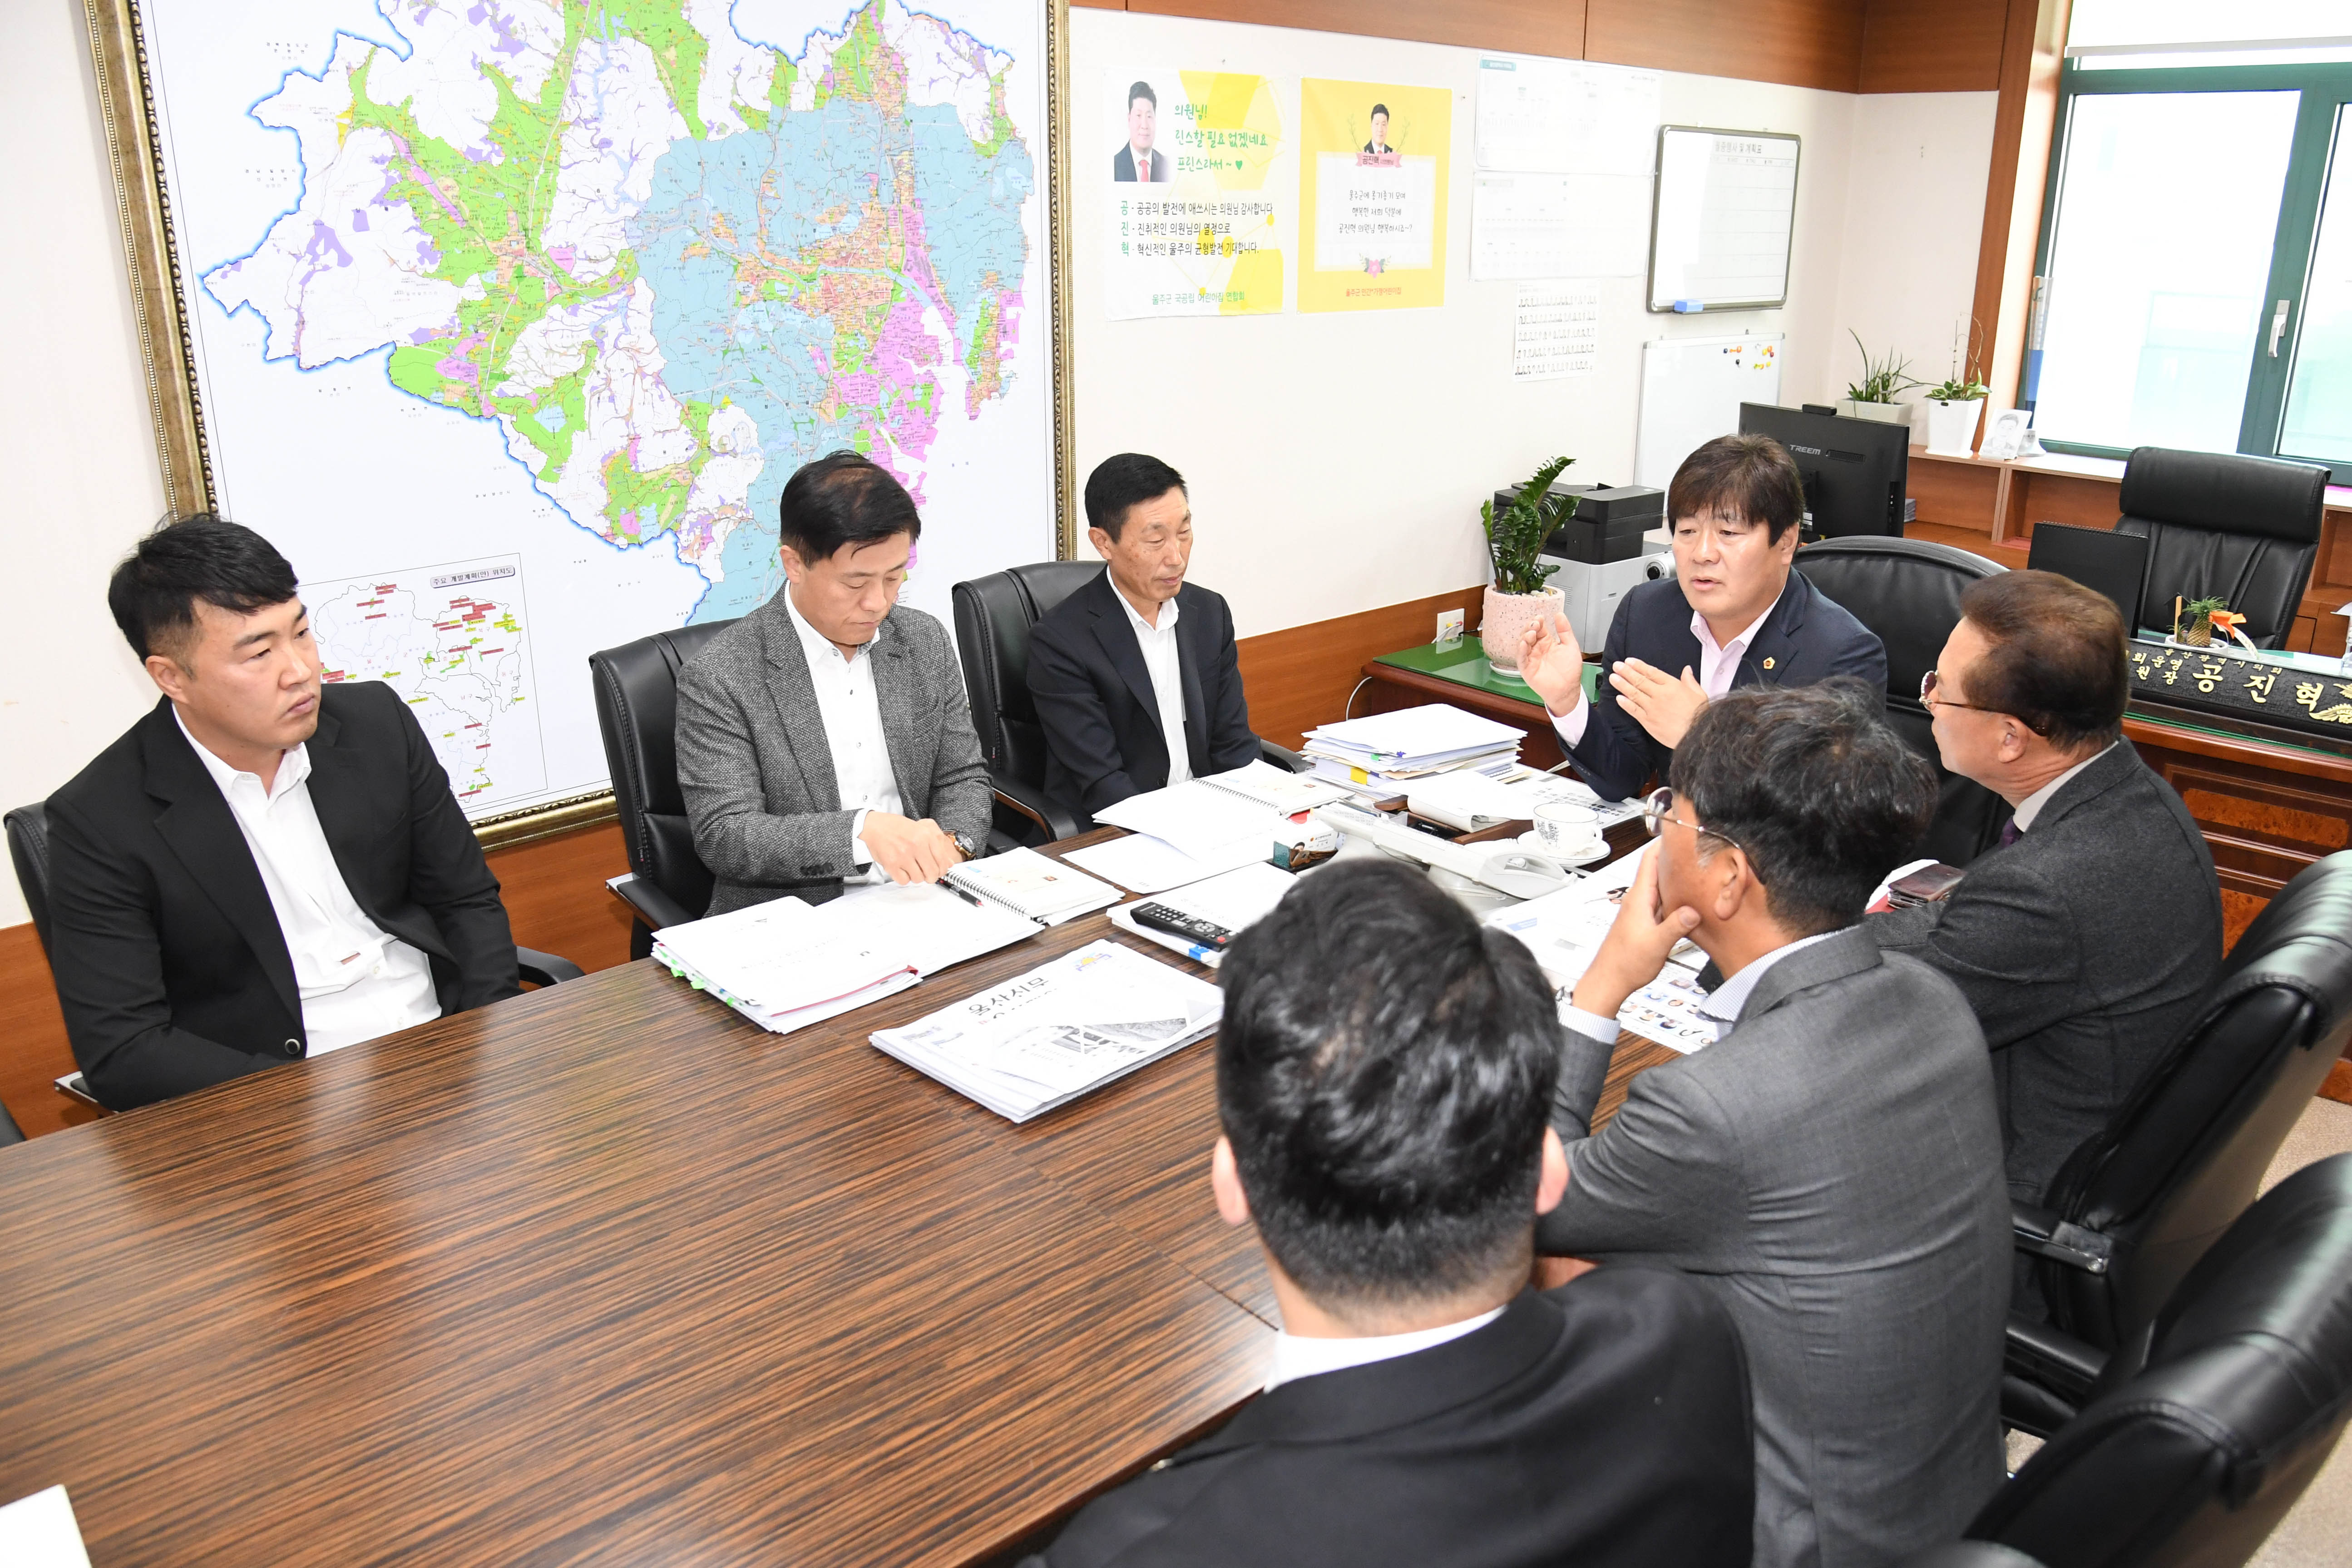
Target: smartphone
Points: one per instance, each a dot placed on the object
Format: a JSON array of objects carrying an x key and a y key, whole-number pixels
[
  {"x": 72, "y": 1088},
  {"x": 1927, "y": 885}
]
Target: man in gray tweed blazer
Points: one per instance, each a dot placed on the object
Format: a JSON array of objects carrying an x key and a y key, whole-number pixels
[
  {"x": 825, "y": 737},
  {"x": 1831, "y": 1167}
]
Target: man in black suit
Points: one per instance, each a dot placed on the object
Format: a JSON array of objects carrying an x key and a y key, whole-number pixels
[
  {"x": 261, "y": 868},
  {"x": 2086, "y": 941},
  {"x": 1136, "y": 677},
  {"x": 1733, "y": 615},
  {"x": 1136, "y": 160},
  {"x": 1383, "y": 1072},
  {"x": 1378, "y": 144}
]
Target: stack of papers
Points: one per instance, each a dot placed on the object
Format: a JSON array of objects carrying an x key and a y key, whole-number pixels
[
  {"x": 1143, "y": 864},
  {"x": 1236, "y": 900},
  {"x": 1473, "y": 801},
  {"x": 1386, "y": 750},
  {"x": 786, "y": 965},
  {"x": 1031, "y": 1044},
  {"x": 1199, "y": 819},
  {"x": 1564, "y": 930}
]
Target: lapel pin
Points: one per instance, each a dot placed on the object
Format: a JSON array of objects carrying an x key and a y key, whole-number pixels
[{"x": 1768, "y": 664}]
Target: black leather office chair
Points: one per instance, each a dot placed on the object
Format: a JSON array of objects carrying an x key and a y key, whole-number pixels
[
  {"x": 2213, "y": 1419},
  {"x": 2244, "y": 528},
  {"x": 9, "y": 1131},
  {"x": 636, "y": 712},
  {"x": 2131, "y": 1211},
  {"x": 994, "y": 616},
  {"x": 1907, "y": 591}
]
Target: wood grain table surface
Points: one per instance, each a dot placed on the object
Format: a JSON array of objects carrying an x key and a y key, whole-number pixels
[{"x": 606, "y": 1274}]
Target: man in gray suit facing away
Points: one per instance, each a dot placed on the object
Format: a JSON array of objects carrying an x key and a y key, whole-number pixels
[
  {"x": 1830, "y": 1166},
  {"x": 2088, "y": 939},
  {"x": 825, "y": 737}
]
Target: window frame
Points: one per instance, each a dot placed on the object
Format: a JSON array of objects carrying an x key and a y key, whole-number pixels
[{"x": 2325, "y": 89}]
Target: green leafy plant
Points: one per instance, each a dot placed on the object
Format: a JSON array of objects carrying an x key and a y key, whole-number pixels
[
  {"x": 2202, "y": 607},
  {"x": 1883, "y": 377},
  {"x": 1516, "y": 537},
  {"x": 1962, "y": 386}
]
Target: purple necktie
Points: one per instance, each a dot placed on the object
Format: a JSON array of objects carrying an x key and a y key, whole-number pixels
[{"x": 2009, "y": 833}]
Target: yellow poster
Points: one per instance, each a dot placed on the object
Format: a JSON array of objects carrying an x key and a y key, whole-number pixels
[
  {"x": 1372, "y": 160},
  {"x": 1195, "y": 229}
]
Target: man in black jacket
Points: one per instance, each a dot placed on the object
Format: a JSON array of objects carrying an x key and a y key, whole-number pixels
[
  {"x": 1383, "y": 1074},
  {"x": 2085, "y": 941},
  {"x": 1136, "y": 677},
  {"x": 263, "y": 868},
  {"x": 1733, "y": 615}
]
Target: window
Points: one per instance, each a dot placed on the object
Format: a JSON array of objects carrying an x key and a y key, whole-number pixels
[{"x": 2194, "y": 287}]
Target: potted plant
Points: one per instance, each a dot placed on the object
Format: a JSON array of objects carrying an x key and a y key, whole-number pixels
[
  {"x": 2192, "y": 624},
  {"x": 1955, "y": 405},
  {"x": 1872, "y": 398},
  {"x": 1519, "y": 595}
]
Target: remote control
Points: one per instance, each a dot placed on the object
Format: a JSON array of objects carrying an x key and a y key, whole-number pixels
[{"x": 1192, "y": 928}]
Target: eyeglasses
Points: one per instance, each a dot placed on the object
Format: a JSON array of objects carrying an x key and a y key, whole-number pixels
[
  {"x": 1657, "y": 807},
  {"x": 1928, "y": 698}
]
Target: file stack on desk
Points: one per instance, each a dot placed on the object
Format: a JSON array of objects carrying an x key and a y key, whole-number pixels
[
  {"x": 1032, "y": 1043},
  {"x": 1384, "y": 753},
  {"x": 786, "y": 965}
]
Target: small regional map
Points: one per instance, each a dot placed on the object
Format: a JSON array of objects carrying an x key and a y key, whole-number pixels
[
  {"x": 662, "y": 252},
  {"x": 449, "y": 639}
]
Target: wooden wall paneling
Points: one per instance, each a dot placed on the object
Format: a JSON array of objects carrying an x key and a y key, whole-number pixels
[
  {"x": 2033, "y": 38},
  {"x": 556, "y": 898},
  {"x": 1957, "y": 495},
  {"x": 1932, "y": 45},
  {"x": 33, "y": 1050},
  {"x": 1802, "y": 43},
  {"x": 1301, "y": 676},
  {"x": 1526, "y": 26}
]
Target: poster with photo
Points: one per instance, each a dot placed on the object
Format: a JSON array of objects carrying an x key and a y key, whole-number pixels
[
  {"x": 1371, "y": 191},
  {"x": 1195, "y": 222}
]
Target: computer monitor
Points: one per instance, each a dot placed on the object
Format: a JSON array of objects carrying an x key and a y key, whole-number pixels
[
  {"x": 1855, "y": 470},
  {"x": 2099, "y": 559}
]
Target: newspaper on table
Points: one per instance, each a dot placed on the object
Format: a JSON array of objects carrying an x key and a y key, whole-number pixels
[{"x": 1035, "y": 1041}]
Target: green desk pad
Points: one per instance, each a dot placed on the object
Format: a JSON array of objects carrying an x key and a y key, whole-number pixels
[{"x": 1464, "y": 664}]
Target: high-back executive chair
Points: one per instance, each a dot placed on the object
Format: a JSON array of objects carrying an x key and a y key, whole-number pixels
[
  {"x": 2136, "y": 1205},
  {"x": 636, "y": 713},
  {"x": 2243, "y": 529},
  {"x": 993, "y": 617},
  {"x": 1907, "y": 591},
  {"x": 2212, "y": 1421},
  {"x": 28, "y": 847}
]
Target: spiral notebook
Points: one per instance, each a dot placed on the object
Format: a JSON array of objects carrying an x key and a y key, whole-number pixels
[{"x": 1032, "y": 886}]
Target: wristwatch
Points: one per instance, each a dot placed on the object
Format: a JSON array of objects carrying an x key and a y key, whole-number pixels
[{"x": 970, "y": 845}]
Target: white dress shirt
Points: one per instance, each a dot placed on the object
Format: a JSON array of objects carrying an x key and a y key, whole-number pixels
[
  {"x": 851, "y": 710},
  {"x": 1295, "y": 1357},
  {"x": 1722, "y": 1006},
  {"x": 1717, "y": 663},
  {"x": 1167, "y": 670},
  {"x": 2030, "y": 806},
  {"x": 357, "y": 981}
]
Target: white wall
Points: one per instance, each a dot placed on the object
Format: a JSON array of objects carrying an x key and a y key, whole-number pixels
[
  {"x": 75, "y": 440},
  {"x": 1915, "y": 212},
  {"x": 1323, "y": 489}
]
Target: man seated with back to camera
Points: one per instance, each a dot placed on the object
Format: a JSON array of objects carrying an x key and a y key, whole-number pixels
[
  {"x": 1383, "y": 1071},
  {"x": 1137, "y": 679},
  {"x": 267, "y": 866},
  {"x": 825, "y": 737},
  {"x": 1829, "y": 1168},
  {"x": 1735, "y": 614},
  {"x": 2086, "y": 941}
]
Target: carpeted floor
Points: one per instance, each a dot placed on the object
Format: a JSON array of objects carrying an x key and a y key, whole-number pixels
[{"x": 2318, "y": 1532}]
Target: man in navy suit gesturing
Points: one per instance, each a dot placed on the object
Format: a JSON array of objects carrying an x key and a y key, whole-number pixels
[{"x": 1733, "y": 615}]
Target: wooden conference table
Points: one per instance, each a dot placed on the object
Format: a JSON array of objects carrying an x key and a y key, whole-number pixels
[{"x": 605, "y": 1274}]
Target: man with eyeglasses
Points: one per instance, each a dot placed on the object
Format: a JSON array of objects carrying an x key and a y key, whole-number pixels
[
  {"x": 1829, "y": 1168},
  {"x": 2086, "y": 941}
]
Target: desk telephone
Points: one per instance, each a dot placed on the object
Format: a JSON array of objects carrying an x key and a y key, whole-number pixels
[{"x": 1506, "y": 868}]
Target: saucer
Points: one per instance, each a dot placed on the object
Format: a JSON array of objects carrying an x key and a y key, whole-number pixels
[{"x": 1534, "y": 845}]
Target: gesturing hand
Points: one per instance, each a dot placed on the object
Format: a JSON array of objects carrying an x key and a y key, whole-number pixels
[
  {"x": 1550, "y": 661},
  {"x": 1636, "y": 946},
  {"x": 1656, "y": 701},
  {"x": 909, "y": 851}
]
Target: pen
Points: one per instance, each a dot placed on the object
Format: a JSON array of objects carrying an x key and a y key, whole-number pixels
[{"x": 971, "y": 899}]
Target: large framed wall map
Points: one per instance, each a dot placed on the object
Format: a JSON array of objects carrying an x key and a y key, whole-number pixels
[{"x": 506, "y": 320}]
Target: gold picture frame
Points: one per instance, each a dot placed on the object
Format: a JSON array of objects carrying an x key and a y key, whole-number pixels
[{"x": 167, "y": 356}]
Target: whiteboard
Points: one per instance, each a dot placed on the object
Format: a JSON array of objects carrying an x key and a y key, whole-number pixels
[
  {"x": 1691, "y": 392},
  {"x": 1726, "y": 214}
]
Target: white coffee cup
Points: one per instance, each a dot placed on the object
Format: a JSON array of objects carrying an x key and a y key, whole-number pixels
[{"x": 1569, "y": 829}]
